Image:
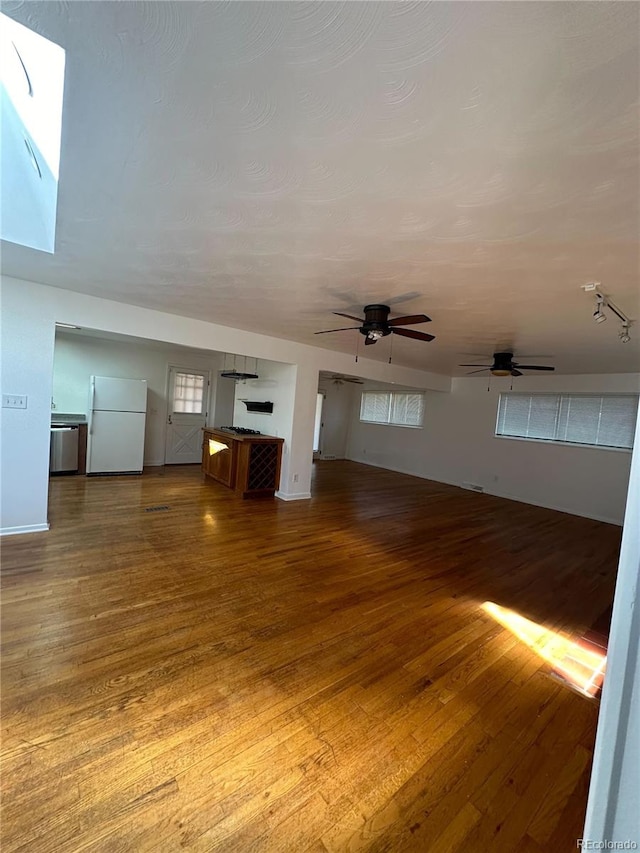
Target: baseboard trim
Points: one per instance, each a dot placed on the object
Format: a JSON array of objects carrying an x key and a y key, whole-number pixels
[
  {"x": 556, "y": 508},
  {"x": 293, "y": 496},
  {"x": 404, "y": 471},
  {"x": 25, "y": 528},
  {"x": 507, "y": 497}
]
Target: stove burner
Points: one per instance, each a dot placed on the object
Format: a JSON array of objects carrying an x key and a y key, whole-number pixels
[{"x": 239, "y": 430}]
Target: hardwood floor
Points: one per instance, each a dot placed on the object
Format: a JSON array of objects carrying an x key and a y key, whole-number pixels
[{"x": 228, "y": 675}]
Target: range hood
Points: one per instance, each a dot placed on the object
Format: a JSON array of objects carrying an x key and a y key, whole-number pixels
[
  {"x": 238, "y": 375},
  {"x": 266, "y": 406}
]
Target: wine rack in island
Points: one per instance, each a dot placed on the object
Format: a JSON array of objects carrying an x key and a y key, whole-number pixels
[{"x": 248, "y": 464}]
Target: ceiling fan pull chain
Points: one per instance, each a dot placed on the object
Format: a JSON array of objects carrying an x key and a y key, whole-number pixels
[
  {"x": 357, "y": 345},
  {"x": 390, "y": 348}
]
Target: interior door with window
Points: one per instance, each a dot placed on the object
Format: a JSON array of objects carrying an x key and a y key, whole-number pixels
[{"x": 186, "y": 415}]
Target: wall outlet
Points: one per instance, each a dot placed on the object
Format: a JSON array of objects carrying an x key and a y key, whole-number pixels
[{"x": 14, "y": 401}]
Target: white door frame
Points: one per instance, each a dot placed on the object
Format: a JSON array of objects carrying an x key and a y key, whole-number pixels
[{"x": 317, "y": 454}]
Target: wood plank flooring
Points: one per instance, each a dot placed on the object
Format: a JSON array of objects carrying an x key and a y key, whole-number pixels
[{"x": 228, "y": 675}]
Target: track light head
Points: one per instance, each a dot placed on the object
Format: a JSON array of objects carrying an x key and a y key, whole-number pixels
[
  {"x": 623, "y": 334},
  {"x": 598, "y": 315}
]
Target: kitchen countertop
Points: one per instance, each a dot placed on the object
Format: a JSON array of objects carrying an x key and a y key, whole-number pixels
[
  {"x": 242, "y": 437},
  {"x": 68, "y": 419}
]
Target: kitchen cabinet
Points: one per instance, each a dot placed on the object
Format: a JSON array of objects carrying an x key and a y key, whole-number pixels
[
  {"x": 248, "y": 464},
  {"x": 219, "y": 458}
]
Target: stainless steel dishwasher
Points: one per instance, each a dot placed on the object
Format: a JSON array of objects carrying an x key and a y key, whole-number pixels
[{"x": 63, "y": 454}]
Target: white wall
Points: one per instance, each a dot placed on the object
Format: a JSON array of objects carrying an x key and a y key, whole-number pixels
[
  {"x": 76, "y": 358},
  {"x": 458, "y": 445},
  {"x": 27, "y": 366},
  {"x": 224, "y": 401},
  {"x": 29, "y": 313},
  {"x": 336, "y": 417},
  {"x": 277, "y": 384}
]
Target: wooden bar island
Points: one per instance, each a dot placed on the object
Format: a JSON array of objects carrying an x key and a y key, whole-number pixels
[{"x": 248, "y": 464}]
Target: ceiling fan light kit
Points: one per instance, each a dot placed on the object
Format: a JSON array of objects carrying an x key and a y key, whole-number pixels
[
  {"x": 376, "y": 325},
  {"x": 504, "y": 365},
  {"x": 602, "y": 302}
]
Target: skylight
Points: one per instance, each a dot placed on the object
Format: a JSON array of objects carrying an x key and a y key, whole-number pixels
[{"x": 31, "y": 91}]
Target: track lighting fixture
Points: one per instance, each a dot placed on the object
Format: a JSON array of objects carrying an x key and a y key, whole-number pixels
[{"x": 603, "y": 302}]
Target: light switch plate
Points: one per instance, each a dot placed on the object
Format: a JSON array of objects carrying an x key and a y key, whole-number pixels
[{"x": 14, "y": 401}]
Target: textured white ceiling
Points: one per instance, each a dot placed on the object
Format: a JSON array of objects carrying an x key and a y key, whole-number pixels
[{"x": 261, "y": 165}]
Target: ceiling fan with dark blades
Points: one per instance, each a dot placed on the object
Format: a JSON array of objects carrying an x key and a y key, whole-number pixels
[
  {"x": 338, "y": 379},
  {"x": 376, "y": 324},
  {"x": 504, "y": 365}
]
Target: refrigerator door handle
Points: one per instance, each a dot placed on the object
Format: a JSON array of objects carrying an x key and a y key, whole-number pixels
[{"x": 92, "y": 394}]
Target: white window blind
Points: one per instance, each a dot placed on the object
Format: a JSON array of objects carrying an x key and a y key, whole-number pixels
[
  {"x": 603, "y": 420},
  {"x": 188, "y": 393},
  {"x": 400, "y": 408}
]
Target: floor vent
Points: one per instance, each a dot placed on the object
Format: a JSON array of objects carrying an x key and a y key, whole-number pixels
[
  {"x": 474, "y": 487},
  {"x": 162, "y": 508}
]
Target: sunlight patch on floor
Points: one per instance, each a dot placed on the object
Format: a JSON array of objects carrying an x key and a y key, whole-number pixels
[{"x": 578, "y": 663}]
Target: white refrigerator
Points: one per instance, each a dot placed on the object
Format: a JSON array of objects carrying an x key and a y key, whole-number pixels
[{"x": 118, "y": 410}]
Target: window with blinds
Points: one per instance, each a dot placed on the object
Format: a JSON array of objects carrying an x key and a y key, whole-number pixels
[
  {"x": 600, "y": 420},
  {"x": 400, "y": 408}
]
